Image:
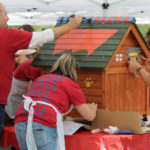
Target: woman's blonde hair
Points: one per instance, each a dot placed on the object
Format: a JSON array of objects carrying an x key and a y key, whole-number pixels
[{"x": 66, "y": 65}]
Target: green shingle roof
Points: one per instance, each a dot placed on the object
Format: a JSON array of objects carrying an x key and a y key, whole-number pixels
[{"x": 98, "y": 59}]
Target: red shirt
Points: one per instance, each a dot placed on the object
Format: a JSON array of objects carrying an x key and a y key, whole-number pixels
[
  {"x": 26, "y": 72},
  {"x": 11, "y": 40},
  {"x": 58, "y": 90}
]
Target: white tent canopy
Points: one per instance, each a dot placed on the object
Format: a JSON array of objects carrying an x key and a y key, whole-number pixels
[{"x": 46, "y": 11}]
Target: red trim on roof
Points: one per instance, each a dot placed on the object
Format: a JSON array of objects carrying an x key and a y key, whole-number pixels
[
  {"x": 110, "y": 19},
  {"x": 103, "y": 19},
  {"x": 96, "y": 20},
  {"x": 126, "y": 19},
  {"x": 117, "y": 20}
]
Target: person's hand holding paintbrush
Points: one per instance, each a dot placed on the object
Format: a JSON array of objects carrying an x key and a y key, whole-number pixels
[{"x": 136, "y": 67}]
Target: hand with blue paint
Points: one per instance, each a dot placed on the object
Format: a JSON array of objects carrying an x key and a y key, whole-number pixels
[
  {"x": 75, "y": 22},
  {"x": 67, "y": 26}
]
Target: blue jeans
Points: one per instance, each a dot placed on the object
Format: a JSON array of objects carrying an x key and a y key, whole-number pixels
[
  {"x": 2, "y": 118},
  {"x": 45, "y": 137}
]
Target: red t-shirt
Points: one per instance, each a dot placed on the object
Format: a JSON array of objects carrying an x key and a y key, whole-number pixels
[
  {"x": 11, "y": 40},
  {"x": 58, "y": 90},
  {"x": 26, "y": 72}
]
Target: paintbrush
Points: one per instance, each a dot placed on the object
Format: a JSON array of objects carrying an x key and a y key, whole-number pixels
[{"x": 133, "y": 56}]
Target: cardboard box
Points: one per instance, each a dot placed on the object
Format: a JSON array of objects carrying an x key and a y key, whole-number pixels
[{"x": 122, "y": 120}]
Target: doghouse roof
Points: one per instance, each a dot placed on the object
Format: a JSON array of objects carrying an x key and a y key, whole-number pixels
[{"x": 92, "y": 43}]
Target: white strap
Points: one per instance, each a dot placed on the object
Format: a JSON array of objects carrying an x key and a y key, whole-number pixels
[
  {"x": 70, "y": 109},
  {"x": 29, "y": 136},
  {"x": 59, "y": 124},
  {"x": 27, "y": 102}
]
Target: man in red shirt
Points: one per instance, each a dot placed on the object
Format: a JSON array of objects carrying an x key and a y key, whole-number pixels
[{"x": 12, "y": 40}]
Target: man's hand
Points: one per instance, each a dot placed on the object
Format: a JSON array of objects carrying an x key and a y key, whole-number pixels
[
  {"x": 133, "y": 66},
  {"x": 75, "y": 22},
  {"x": 72, "y": 24}
]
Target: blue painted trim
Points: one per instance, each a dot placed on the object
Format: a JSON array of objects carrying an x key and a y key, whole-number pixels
[
  {"x": 65, "y": 19},
  {"x": 106, "y": 19},
  {"x": 100, "y": 19},
  {"x": 113, "y": 20},
  {"x": 59, "y": 19},
  {"x": 122, "y": 20},
  {"x": 130, "y": 19},
  {"x": 85, "y": 20},
  {"x": 93, "y": 19}
]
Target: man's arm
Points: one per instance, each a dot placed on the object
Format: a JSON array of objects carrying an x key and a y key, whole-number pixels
[
  {"x": 87, "y": 111},
  {"x": 136, "y": 67},
  {"x": 72, "y": 24},
  {"x": 145, "y": 76},
  {"x": 40, "y": 38}
]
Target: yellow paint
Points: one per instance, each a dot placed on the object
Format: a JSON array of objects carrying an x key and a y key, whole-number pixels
[{"x": 88, "y": 82}]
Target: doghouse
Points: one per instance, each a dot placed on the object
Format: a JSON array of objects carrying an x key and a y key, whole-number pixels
[{"x": 100, "y": 46}]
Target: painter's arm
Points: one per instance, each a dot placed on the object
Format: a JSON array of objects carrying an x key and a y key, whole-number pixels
[
  {"x": 72, "y": 24},
  {"x": 87, "y": 111},
  {"x": 135, "y": 66},
  {"x": 48, "y": 35}
]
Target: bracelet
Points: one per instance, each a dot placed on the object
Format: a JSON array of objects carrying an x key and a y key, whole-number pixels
[{"x": 138, "y": 70}]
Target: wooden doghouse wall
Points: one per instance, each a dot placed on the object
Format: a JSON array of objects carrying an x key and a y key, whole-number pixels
[
  {"x": 90, "y": 82},
  {"x": 129, "y": 42},
  {"x": 125, "y": 92}
]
